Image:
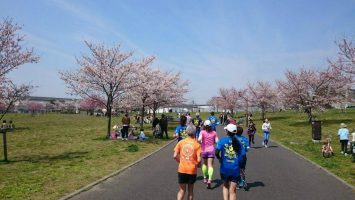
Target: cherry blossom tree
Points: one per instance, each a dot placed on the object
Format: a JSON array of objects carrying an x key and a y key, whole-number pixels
[
  {"x": 215, "y": 102},
  {"x": 228, "y": 98},
  {"x": 169, "y": 91},
  {"x": 11, "y": 93},
  {"x": 12, "y": 55},
  {"x": 90, "y": 104},
  {"x": 107, "y": 72},
  {"x": 346, "y": 58},
  {"x": 34, "y": 107},
  {"x": 262, "y": 95},
  {"x": 158, "y": 89},
  {"x": 312, "y": 90}
]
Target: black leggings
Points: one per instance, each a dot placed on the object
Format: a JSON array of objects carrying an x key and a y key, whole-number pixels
[
  {"x": 344, "y": 145},
  {"x": 251, "y": 139}
]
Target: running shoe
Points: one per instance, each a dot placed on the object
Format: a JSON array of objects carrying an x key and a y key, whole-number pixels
[
  {"x": 265, "y": 146},
  {"x": 205, "y": 180},
  {"x": 209, "y": 185}
]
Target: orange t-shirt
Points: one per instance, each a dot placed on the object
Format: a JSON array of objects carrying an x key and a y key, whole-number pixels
[{"x": 188, "y": 149}]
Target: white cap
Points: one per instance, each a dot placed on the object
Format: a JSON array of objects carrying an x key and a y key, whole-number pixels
[
  {"x": 207, "y": 123},
  {"x": 231, "y": 128}
]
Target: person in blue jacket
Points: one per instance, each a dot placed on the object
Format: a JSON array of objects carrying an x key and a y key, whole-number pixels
[
  {"x": 245, "y": 146},
  {"x": 228, "y": 152},
  {"x": 214, "y": 121},
  {"x": 343, "y": 134}
]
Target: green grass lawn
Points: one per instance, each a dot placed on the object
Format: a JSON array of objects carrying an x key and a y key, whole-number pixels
[
  {"x": 51, "y": 155},
  {"x": 293, "y": 130}
]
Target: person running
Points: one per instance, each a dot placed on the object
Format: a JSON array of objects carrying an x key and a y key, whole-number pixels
[
  {"x": 251, "y": 132},
  {"x": 228, "y": 152},
  {"x": 245, "y": 146},
  {"x": 214, "y": 121},
  {"x": 266, "y": 127},
  {"x": 208, "y": 139},
  {"x": 180, "y": 130},
  {"x": 187, "y": 153},
  {"x": 197, "y": 122}
]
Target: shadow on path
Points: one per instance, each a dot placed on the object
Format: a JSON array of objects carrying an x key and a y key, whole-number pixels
[{"x": 256, "y": 184}]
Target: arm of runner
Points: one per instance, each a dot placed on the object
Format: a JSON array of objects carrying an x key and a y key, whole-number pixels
[
  {"x": 199, "y": 139},
  {"x": 177, "y": 152}
]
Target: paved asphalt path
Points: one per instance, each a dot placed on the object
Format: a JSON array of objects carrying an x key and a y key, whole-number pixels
[{"x": 272, "y": 173}]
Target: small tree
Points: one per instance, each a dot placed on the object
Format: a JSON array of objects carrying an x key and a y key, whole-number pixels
[
  {"x": 262, "y": 95},
  {"x": 346, "y": 58},
  {"x": 90, "y": 104},
  {"x": 12, "y": 55},
  {"x": 34, "y": 107},
  {"x": 312, "y": 90},
  {"x": 229, "y": 98},
  {"x": 107, "y": 72}
]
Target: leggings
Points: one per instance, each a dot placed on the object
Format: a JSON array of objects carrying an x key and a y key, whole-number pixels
[
  {"x": 251, "y": 139},
  {"x": 344, "y": 145}
]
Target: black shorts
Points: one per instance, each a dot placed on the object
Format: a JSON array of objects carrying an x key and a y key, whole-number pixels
[
  {"x": 230, "y": 178},
  {"x": 186, "y": 178},
  {"x": 243, "y": 162}
]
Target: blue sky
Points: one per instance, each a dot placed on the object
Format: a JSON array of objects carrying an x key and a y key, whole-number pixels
[{"x": 212, "y": 43}]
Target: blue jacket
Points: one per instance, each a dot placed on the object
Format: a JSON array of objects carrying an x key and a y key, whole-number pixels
[{"x": 343, "y": 134}]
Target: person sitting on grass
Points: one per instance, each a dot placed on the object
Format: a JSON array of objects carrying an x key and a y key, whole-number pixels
[
  {"x": 327, "y": 150},
  {"x": 131, "y": 135},
  {"x": 142, "y": 136}
]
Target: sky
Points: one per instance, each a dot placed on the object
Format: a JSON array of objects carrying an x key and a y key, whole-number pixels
[{"x": 213, "y": 43}]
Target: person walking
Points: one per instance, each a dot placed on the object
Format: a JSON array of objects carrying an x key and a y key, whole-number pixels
[
  {"x": 266, "y": 127},
  {"x": 251, "y": 132},
  {"x": 214, "y": 121},
  {"x": 180, "y": 130},
  {"x": 197, "y": 122},
  {"x": 164, "y": 126},
  {"x": 126, "y": 122},
  {"x": 228, "y": 152},
  {"x": 245, "y": 146},
  {"x": 343, "y": 134},
  {"x": 208, "y": 139},
  {"x": 187, "y": 153}
]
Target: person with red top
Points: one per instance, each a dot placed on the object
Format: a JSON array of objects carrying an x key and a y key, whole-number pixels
[{"x": 187, "y": 153}]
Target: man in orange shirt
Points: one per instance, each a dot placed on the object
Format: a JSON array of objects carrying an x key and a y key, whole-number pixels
[{"x": 188, "y": 154}]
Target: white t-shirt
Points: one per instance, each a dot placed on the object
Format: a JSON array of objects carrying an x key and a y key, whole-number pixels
[{"x": 266, "y": 127}]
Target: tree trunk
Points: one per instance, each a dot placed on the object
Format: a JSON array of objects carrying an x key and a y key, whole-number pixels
[
  {"x": 108, "y": 114},
  {"x": 310, "y": 116},
  {"x": 263, "y": 114},
  {"x": 142, "y": 115},
  {"x": 7, "y": 110}
]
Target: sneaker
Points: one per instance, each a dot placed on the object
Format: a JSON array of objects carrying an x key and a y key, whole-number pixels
[
  {"x": 265, "y": 146},
  {"x": 209, "y": 185},
  {"x": 205, "y": 180}
]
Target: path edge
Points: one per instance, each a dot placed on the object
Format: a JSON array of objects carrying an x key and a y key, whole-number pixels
[
  {"x": 316, "y": 164},
  {"x": 91, "y": 185}
]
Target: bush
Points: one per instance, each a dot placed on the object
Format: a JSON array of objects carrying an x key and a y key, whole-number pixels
[{"x": 132, "y": 148}]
